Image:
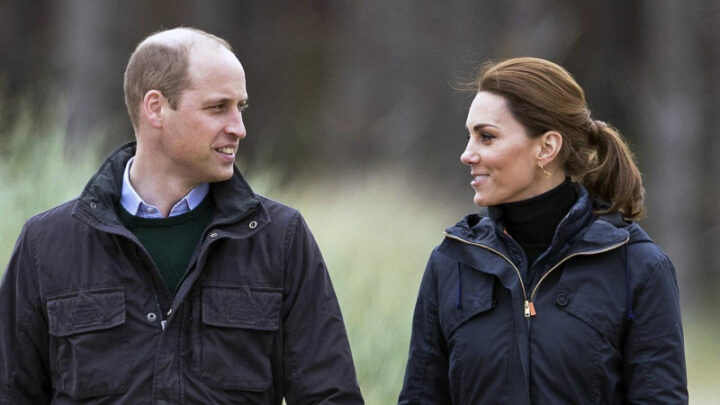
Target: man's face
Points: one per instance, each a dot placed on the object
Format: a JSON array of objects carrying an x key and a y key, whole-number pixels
[{"x": 200, "y": 139}]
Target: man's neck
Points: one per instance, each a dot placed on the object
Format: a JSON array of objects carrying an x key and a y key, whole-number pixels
[{"x": 156, "y": 187}]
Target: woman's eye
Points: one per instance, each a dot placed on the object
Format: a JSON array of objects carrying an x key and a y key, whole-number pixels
[{"x": 485, "y": 137}]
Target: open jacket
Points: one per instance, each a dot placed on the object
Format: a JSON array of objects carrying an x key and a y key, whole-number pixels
[
  {"x": 600, "y": 325},
  {"x": 85, "y": 317}
]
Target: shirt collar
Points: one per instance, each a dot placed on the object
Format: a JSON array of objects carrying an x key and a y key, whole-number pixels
[{"x": 134, "y": 204}]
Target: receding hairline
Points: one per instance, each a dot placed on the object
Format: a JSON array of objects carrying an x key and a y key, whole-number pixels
[{"x": 185, "y": 37}]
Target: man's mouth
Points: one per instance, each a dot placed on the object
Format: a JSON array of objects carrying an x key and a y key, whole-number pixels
[{"x": 227, "y": 150}]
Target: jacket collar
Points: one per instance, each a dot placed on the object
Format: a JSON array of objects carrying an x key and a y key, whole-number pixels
[
  {"x": 581, "y": 231},
  {"x": 234, "y": 199}
]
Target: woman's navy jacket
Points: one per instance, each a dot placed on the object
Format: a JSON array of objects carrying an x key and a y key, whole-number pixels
[{"x": 600, "y": 325}]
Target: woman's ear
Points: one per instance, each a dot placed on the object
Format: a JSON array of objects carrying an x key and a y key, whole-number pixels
[
  {"x": 550, "y": 144},
  {"x": 152, "y": 107}
]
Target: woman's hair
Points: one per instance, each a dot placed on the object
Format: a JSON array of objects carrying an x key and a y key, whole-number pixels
[{"x": 543, "y": 96}]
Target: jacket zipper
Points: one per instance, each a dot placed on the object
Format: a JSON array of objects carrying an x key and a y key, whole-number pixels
[
  {"x": 201, "y": 250},
  {"x": 151, "y": 264},
  {"x": 528, "y": 307}
]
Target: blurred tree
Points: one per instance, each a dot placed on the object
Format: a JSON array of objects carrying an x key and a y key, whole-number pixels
[
  {"x": 705, "y": 18},
  {"x": 345, "y": 87},
  {"x": 670, "y": 114}
]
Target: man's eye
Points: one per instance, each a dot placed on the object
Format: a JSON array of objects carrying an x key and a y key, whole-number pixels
[
  {"x": 218, "y": 107},
  {"x": 243, "y": 107}
]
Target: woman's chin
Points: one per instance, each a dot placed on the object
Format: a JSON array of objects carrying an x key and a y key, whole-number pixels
[{"x": 480, "y": 201}]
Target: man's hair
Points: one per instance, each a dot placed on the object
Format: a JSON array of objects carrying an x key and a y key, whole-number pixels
[{"x": 160, "y": 62}]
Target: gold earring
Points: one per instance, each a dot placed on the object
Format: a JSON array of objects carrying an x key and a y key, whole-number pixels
[{"x": 545, "y": 171}]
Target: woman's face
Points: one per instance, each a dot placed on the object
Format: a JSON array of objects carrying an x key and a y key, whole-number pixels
[{"x": 503, "y": 159}]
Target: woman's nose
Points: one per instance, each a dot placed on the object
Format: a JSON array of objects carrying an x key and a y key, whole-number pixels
[{"x": 469, "y": 156}]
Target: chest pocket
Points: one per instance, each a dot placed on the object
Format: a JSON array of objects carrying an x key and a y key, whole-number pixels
[
  {"x": 233, "y": 344},
  {"x": 597, "y": 301},
  {"x": 478, "y": 332},
  {"x": 603, "y": 316},
  {"x": 468, "y": 294},
  {"x": 88, "y": 345}
]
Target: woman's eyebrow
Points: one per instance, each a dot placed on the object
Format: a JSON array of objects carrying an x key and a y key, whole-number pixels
[{"x": 478, "y": 127}]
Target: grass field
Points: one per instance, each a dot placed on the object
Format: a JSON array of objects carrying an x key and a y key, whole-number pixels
[
  {"x": 376, "y": 235},
  {"x": 375, "y": 230}
]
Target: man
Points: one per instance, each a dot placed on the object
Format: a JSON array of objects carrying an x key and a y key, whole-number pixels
[{"x": 168, "y": 281}]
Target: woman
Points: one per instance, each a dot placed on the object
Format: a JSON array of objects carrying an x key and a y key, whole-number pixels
[{"x": 556, "y": 296}]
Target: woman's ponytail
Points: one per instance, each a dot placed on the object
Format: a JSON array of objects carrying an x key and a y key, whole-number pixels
[{"x": 612, "y": 174}]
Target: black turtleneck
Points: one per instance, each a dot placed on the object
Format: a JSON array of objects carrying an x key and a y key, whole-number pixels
[{"x": 532, "y": 222}]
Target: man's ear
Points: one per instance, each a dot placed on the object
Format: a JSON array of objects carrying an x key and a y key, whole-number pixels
[
  {"x": 550, "y": 144},
  {"x": 152, "y": 108}
]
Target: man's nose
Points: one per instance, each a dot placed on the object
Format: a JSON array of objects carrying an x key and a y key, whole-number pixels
[{"x": 235, "y": 125}]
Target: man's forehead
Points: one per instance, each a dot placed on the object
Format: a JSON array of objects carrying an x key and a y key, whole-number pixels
[
  {"x": 216, "y": 70},
  {"x": 210, "y": 58}
]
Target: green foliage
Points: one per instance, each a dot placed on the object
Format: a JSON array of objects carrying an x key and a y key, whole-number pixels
[
  {"x": 36, "y": 170},
  {"x": 376, "y": 232}
]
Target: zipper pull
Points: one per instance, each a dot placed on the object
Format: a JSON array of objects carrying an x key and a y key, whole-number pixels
[{"x": 527, "y": 309}]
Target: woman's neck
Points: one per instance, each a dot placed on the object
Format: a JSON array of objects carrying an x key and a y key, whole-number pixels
[{"x": 532, "y": 222}]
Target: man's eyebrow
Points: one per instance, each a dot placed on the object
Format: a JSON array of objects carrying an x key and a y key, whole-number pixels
[{"x": 225, "y": 100}]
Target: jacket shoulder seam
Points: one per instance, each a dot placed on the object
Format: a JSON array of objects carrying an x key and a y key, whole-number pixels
[{"x": 290, "y": 232}]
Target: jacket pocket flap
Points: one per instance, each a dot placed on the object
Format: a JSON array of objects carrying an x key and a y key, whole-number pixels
[
  {"x": 241, "y": 306},
  {"x": 472, "y": 297},
  {"x": 597, "y": 314},
  {"x": 85, "y": 311}
]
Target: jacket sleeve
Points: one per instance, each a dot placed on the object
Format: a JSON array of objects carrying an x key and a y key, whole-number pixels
[
  {"x": 654, "y": 354},
  {"x": 24, "y": 370},
  {"x": 426, "y": 373},
  {"x": 319, "y": 367}
]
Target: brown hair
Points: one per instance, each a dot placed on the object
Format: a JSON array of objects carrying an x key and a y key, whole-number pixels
[
  {"x": 162, "y": 65},
  {"x": 543, "y": 96}
]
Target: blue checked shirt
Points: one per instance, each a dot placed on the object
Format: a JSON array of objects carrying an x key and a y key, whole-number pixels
[{"x": 133, "y": 204}]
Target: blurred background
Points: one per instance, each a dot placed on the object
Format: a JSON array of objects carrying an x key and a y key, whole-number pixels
[{"x": 353, "y": 119}]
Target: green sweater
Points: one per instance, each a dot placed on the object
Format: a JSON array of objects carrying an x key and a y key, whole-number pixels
[{"x": 171, "y": 241}]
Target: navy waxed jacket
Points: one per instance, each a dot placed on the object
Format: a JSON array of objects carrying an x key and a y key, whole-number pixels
[
  {"x": 85, "y": 317},
  {"x": 600, "y": 325}
]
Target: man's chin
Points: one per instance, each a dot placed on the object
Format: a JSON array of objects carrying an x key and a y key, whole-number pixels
[{"x": 221, "y": 177}]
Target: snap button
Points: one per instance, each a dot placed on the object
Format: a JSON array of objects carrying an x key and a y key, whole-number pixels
[
  {"x": 252, "y": 224},
  {"x": 561, "y": 299},
  {"x": 213, "y": 235},
  {"x": 151, "y": 317},
  {"x": 93, "y": 205}
]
